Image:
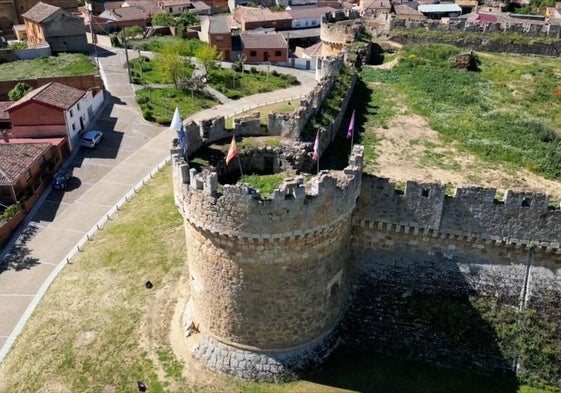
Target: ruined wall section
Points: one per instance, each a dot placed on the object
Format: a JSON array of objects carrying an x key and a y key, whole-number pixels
[{"x": 291, "y": 125}]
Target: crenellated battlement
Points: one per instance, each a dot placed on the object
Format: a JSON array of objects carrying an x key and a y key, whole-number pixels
[
  {"x": 296, "y": 207},
  {"x": 520, "y": 217}
]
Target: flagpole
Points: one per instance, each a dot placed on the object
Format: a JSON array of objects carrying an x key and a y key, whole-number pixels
[
  {"x": 352, "y": 128},
  {"x": 240, "y": 162}
]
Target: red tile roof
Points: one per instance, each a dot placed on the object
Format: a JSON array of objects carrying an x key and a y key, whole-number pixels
[
  {"x": 17, "y": 158},
  {"x": 171, "y": 3},
  {"x": 4, "y": 115},
  {"x": 54, "y": 94},
  {"x": 250, "y": 14},
  {"x": 316, "y": 12},
  {"x": 263, "y": 40},
  {"x": 40, "y": 11}
]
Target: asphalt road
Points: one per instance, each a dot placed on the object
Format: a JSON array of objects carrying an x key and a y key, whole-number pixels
[{"x": 130, "y": 150}]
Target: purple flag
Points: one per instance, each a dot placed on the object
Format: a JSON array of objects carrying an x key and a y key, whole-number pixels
[
  {"x": 351, "y": 126},
  {"x": 315, "y": 156}
]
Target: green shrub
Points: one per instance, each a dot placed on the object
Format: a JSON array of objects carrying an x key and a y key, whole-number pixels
[
  {"x": 115, "y": 42},
  {"x": 10, "y": 212},
  {"x": 17, "y": 45},
  {"x": 147, "y": 114},
  {"x": 141, "y": 100}
]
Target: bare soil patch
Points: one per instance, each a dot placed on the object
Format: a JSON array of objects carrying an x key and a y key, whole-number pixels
[{"x": 410, "y": 150}]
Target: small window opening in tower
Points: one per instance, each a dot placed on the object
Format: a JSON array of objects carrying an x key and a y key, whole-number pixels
[
  {"x": 425, "y": 193},
  {"x": 526, "y": 202}
]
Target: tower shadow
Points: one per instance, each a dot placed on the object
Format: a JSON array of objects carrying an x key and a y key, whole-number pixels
[{"x": 415, "y": 324}]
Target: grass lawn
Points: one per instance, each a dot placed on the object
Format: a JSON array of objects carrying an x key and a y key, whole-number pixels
[
  {"x": 98, "y": 327},
  {"x": 64, "y": 64},
  {"x": 158, "y": 105},
  {"x": 144, "y": 72},
  {"x": 235, "y": 85}
]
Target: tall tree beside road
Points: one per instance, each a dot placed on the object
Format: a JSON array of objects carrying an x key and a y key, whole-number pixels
[
  {"x": 208, "y": 56},
  {"x": 170, "y": 63}
]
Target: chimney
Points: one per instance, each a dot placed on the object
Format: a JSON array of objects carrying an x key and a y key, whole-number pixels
[{"x": 6, "y": 136}]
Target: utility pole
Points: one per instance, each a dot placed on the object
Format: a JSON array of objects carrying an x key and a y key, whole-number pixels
[{"x": 89, "y": 7}]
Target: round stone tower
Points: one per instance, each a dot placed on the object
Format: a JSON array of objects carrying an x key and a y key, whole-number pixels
[{"x": 269, "y": 277}]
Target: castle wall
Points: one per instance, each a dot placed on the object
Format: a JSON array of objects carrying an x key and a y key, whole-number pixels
[
  {"x": 411, "y": 294},
  {"x": 420, "y": 256},
  {"x": 520, "y": 218}
]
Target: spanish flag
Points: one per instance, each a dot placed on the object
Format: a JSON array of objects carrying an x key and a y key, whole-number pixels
[{"x": 232, "y": 151}]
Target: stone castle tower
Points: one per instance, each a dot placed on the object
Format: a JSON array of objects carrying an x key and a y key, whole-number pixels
[{"x": 268, "y": 276}]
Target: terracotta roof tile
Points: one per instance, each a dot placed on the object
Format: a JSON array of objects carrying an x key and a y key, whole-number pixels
[
  {"x": 263, "y": 40},
  {"x": 54, "y": 94},
  {"x": 250, "y": 14},
  {"x": 4, "y": 115},
  {"x": 403, "y": 9},
  {"x": 40, "y": 11},
  {"x": 317, "y": 12},
  {"x": 17, "y": 158},
  {"x": 171, "y": 3}
]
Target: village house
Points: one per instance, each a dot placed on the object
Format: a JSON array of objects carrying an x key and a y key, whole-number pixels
[
  {"x": 250, "y": 18},
  {"x": 54, "y": 110},
  {"x": 375, "y": 8},
  {"x": 305, "y": 17},
  {"x": 63, "y": 31},
  {"x": 174, "y": 7},
  {"x": 25, "y": 171},
  {"x": 406, "y": 13},
  {"x": 264, "y": 47},
  {"x": 118, "y": 18},
  {"x": 215, "y": 30},
  {"x": 439, "y": 11}
]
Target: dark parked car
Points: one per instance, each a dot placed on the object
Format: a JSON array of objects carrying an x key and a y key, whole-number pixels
[{"x": 61, "y": 178}]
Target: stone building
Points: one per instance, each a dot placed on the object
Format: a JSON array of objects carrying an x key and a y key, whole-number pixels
[{"x": 63, "y": 31}]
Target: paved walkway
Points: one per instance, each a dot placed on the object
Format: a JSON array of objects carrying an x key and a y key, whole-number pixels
[{"x": 130, "y": 150}]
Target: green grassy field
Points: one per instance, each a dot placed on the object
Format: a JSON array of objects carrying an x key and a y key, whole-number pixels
[
  {"x": 508, "y": 112},
  {"x": 64, "y": 64}
]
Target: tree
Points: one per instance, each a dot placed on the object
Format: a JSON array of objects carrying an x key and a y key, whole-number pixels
[
  {"x": 132, "y": 31},
  {"x": 19, "y": 91},
  {"x": 162, "y": 19},
  {"x": 187, "y": 19},
  {"x": 196, "y": 83},
  {"x": 208, "y": 56},
  {"x": 170, "y": 63}
]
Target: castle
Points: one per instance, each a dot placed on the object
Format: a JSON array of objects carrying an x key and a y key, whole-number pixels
[{"x": 277, "y": 282}]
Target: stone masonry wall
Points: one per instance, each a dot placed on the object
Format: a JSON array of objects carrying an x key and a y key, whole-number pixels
[
  {"x": 403, "y": 275},
  {"x": 268, "y": 273},
  {"x": 473, "y": 212},
  {"x": 270, "y": 294}
]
